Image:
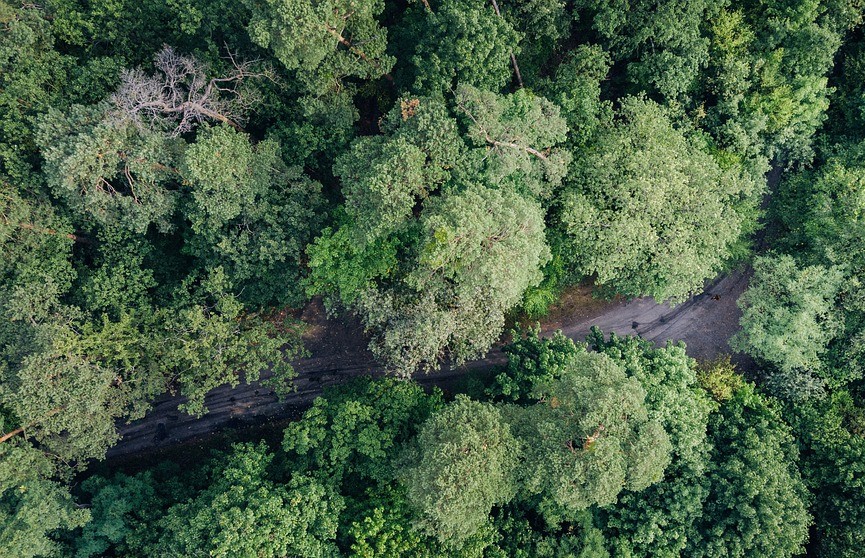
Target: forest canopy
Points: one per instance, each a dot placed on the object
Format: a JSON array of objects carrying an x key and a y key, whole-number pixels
[{"x": 180, "y": 179}]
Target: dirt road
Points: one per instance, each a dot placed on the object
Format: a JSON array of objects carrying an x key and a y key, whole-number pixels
[{"x": 338, "y": 351}]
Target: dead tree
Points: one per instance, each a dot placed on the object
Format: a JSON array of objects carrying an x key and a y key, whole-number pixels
[{"x": 181, "y": 94}]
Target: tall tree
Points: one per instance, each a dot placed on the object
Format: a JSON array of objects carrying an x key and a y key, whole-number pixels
[
  {"x": 650, "y": 212},
  {"x": 324, "y": 42},
  {"x": 462, "y": 41},
  {"x": 789, "y": 319},
  {"x": 766, "y": 86},
  {"x": 520, "y": 132},
  {"x": 587, "y": 438},
  {"x": 465, "y": 280},
  {"x": 431, "y": 227},
  {"x": 111, "y": 172},
  {"x": 657, "y": 521},
  {"x": 31, "y": 74},
  {"x": 462, "y": 466},
  {"x": 763, "y": 512},
  {"x": 250, "y": 214}
]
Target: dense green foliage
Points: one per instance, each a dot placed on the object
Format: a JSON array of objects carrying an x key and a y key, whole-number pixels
[
  {"x": 381, "y": 468},
  {"x": 804, "y": 317},
  {"x": 650, "y": 212},
  {"x": 177, "y": 176}
]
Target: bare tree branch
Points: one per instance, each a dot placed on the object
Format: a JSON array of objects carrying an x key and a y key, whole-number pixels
[
  {"x": 180, "y": 91},
  {"x": 497, "y": 143},
  {"x": 513, "y": 58}
]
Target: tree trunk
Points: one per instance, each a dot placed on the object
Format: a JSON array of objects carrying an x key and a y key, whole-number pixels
[
  {"x": 517, "y": 72},
  {"x": 34, "y": 228},
  {"x": 19, "y": 430}
]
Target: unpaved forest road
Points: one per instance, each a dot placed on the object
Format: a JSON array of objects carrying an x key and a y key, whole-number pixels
[{"x": 338, "y": 351}]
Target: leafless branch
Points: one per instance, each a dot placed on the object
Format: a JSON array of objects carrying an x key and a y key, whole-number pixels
[
  {"x": 497, "y": 143},
  {"x": 517, "y": 73},
  {"x": 181, "y": 93}
]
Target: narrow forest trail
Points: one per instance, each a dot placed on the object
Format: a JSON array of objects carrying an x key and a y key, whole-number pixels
[{"x": 338, "y": 351}]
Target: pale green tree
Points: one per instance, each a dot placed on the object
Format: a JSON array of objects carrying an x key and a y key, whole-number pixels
[
  {"x": 575, "y": 88},
  {"x": 324, "y": 42},
  {"x": 462, "y": 465},
  {"x": 789, "y": 314},
  {"x": 209, "y": 339},
  {"x": 479, "y": 250},
  {"x": 520, "y": 132},
  {"x": 658, "y": 520},
  {"x": 481, "y": 239},
  {"x": 110, "y": 171},
  {"x": 650, "y": 212},
  {"x": 587, "y": 438}
]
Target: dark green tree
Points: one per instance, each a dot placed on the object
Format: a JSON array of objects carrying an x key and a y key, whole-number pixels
[
  {"x": 32, "y": 76},
  {"x": 833, "y": 464},
  {"x": 250, "y": 214},
  {"x": 324, "y": 42},
  {"x": 663, "y": 45},
  {"x": 757, "y": 503},
  {"x": 243, "y": 512},
  {"x": 352, "y": 433}
]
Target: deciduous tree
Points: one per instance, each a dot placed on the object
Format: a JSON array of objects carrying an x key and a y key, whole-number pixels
[
  {"x": 587, "y": 438},
  {"x": 463, "y": 465},
  {"x": 650, "y": 212},
  {"x": 757, "y": 503}
]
